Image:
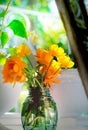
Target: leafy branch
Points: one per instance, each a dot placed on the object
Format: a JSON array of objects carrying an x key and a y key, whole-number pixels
[{"x": 15, "y": 25}]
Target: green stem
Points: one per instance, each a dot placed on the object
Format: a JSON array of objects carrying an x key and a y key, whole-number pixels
[
  {"x": 6, "y": 11},
  {"x": 38, "y": 83},
  {"x": 30, "y": 62},
  {"x": 4, "y": 16},
  {"x": 56, "y": 71},
  {"x": 34, "y": 121},
  {"x": 47, "y": 69}
]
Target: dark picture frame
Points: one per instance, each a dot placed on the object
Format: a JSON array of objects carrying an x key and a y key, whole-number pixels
[{"x": 75, "y": 19}]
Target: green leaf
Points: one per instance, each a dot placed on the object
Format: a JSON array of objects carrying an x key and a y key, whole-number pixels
[
  {"x": 12, "y": 51},
  {"x": 2, "y": 13},
  {"x": 60, "y": 44},
  {"x": 4, "y": 38},
  {"x": 2, "y": 59},
  {"x": 18, "y": 28},
  {"x": 21, "y": 18}
]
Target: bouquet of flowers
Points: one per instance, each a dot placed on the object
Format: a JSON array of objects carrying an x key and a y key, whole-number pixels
[
  {"x": 18, "y": 66},
  {"x": 40, "y": 71}
]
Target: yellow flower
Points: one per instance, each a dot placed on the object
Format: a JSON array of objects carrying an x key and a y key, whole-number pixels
[
  {"x": 13, "y": 70},
  {"x": 23, "y": 50},
  {"x": 60, "y": 56},
  {"x": 56, "y": 51},
  {"x": 43, "y": 56},
  {"x": 66, "y": 62}
]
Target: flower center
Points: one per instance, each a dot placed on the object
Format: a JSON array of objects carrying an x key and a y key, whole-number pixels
[{"x": 55, "y": 58}]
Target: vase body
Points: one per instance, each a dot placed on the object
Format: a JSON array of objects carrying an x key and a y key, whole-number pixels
[{"x": 39, "y": 110}]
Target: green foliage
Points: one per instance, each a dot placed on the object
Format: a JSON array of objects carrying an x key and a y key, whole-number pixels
[
  {"x": 44, "y": 9},
  {"x": 17, "y": 25},
  {"x": 20, "y": 17},
  {"x": 2, "y": 59},
  {"x": 18, "y": 28},
  {"x": 64, "y": 46},
  {"x": 2, "y": 13},
  {"x": 39, "y": 5},
  {"x": 51, "y": 32},
  {"x": 30, "y": 74},
  {"x": 4, "y": 38},
  {"x": 12, "y": 51},
  {"x": 3, "y": 1}
]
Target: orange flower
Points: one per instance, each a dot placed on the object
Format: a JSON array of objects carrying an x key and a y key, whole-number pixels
[
  {"x": 50, "y": 79},
  {"x": 51, "y": 73},
  {"x": 23, "y": 50},
  {"x": 43, "y": 56},
  {"x": 13, "y": 70}
]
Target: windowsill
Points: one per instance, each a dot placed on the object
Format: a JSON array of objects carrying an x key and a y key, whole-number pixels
[{"x": 13, "y": 122}]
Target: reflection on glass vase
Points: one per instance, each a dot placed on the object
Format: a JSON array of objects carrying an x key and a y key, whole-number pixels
[{"x": 39, "y": 110}]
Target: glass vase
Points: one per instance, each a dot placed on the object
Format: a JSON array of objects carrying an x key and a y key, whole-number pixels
[{"x": 39, "y": 111}]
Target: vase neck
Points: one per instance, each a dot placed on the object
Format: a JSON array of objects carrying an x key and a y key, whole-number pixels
[{"x": 37, "y": 91}]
